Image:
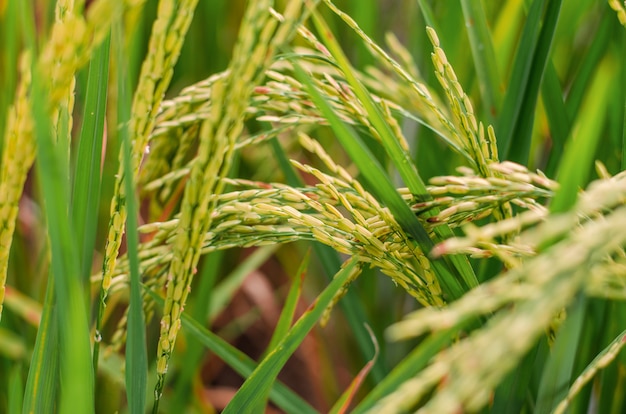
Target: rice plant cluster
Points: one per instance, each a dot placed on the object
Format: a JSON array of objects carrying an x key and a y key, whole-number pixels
[{"x": 444, "y": 209}]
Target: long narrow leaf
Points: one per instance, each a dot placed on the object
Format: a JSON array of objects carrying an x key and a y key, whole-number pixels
[
  {"x": 286, "y": 316},
  {"x": 606, "y": 356},
  {"x": 573, "y": 174},
  {"x": 16, "y": 390},
  {"x": 523, "y": 126},
  {"x": 86, "y": 191},
  {"x": 484, "y": 55},
  {"x": 558, "y": 370},
  {"x": 136, "y": 353},
  {"x": 579, "y": 151},
  {"x": 400, "y": 156},
  {"x": 43, "y": 373},
  {"x": 282, "y": 396},
  {"x": 40, "y": 394},
  {"x": 589, "y": 65},
  {"x": 199, "y": 310},
  {"x": 10, "y": 33},
  {"x": 75, "y": 353},
  {"x": 558, "y": 119},
  {"x": 561, "y": 123},
  {"x": 518, "y": 82},
  {"x": 260, "y": 381}
]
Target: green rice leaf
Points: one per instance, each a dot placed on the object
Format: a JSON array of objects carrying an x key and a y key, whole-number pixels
[
  {"x": 605, "y": 357},
  {"x": 286, "y": 315},
  {"x": 282, "y": 396},
  {"x": 77, "y": 394},
  {"x": 484, "y": 56},
  {"x": 522, "y": 132},
  {"x": 40, "y": 394},
  {"x": 86, "y": 190},
  {"x": 16, "y": 390},
  {"x": 573, "y": 174},
  {"x": 560, "y": 122},
  {"x": 10, "y": 33},
  {"x": 558, "y": 370},
  {"x": 136, "y": 353},
  {"x": 515, "y": 123},
  {"x": 579, "y": 152},
  {"x": 558, "y": 119},
  {"x": 199, "y": 309},
  {"x": 260, "y": 381}
]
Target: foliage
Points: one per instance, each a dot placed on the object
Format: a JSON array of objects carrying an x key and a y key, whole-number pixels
[{"x": 321, "y": 163}]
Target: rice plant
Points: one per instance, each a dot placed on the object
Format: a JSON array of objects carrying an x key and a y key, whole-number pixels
[{"x": 312, "y": 206}]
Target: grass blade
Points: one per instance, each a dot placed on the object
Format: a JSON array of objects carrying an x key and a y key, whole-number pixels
[
  {"x": 558, "y": 119},
  {"x": 577, "y": 160},
  {"x": 260, "y": 381},
  {"x": 622, "y": 98},
  {"x": 286, "y": 316},
  {"x": 589, "y": 65},
  {"x": 561, "y": 123},
  {"x": 399, "y": 156},
  {"x": 199, "y": 310},
  {"x": 16, "y": 390},
  {"x": 10, "y": 35},
  {"x": 573, "y": 174},
  {"x": 555, "y": 379},
  {"x": 75, "y": 353},
  {"x": 522, "y": 70},
  {"x": 484, "y": 56},
  {"x": 606, "y": 356},
  {"x": 43, "y": 373},
  {"x": 289, "y": 309},
  {"x": 613, "y": 376},
  {"x": 41, "y": 390},
  {"x": 86, "y": 191},
  {"x": 522, "y": 125},
  {"x": 517, "y": 388},
  {"x": 282, "y": 396},
  {"x": 428, "y": 14},
  {"x": 136, "y": 353}
]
